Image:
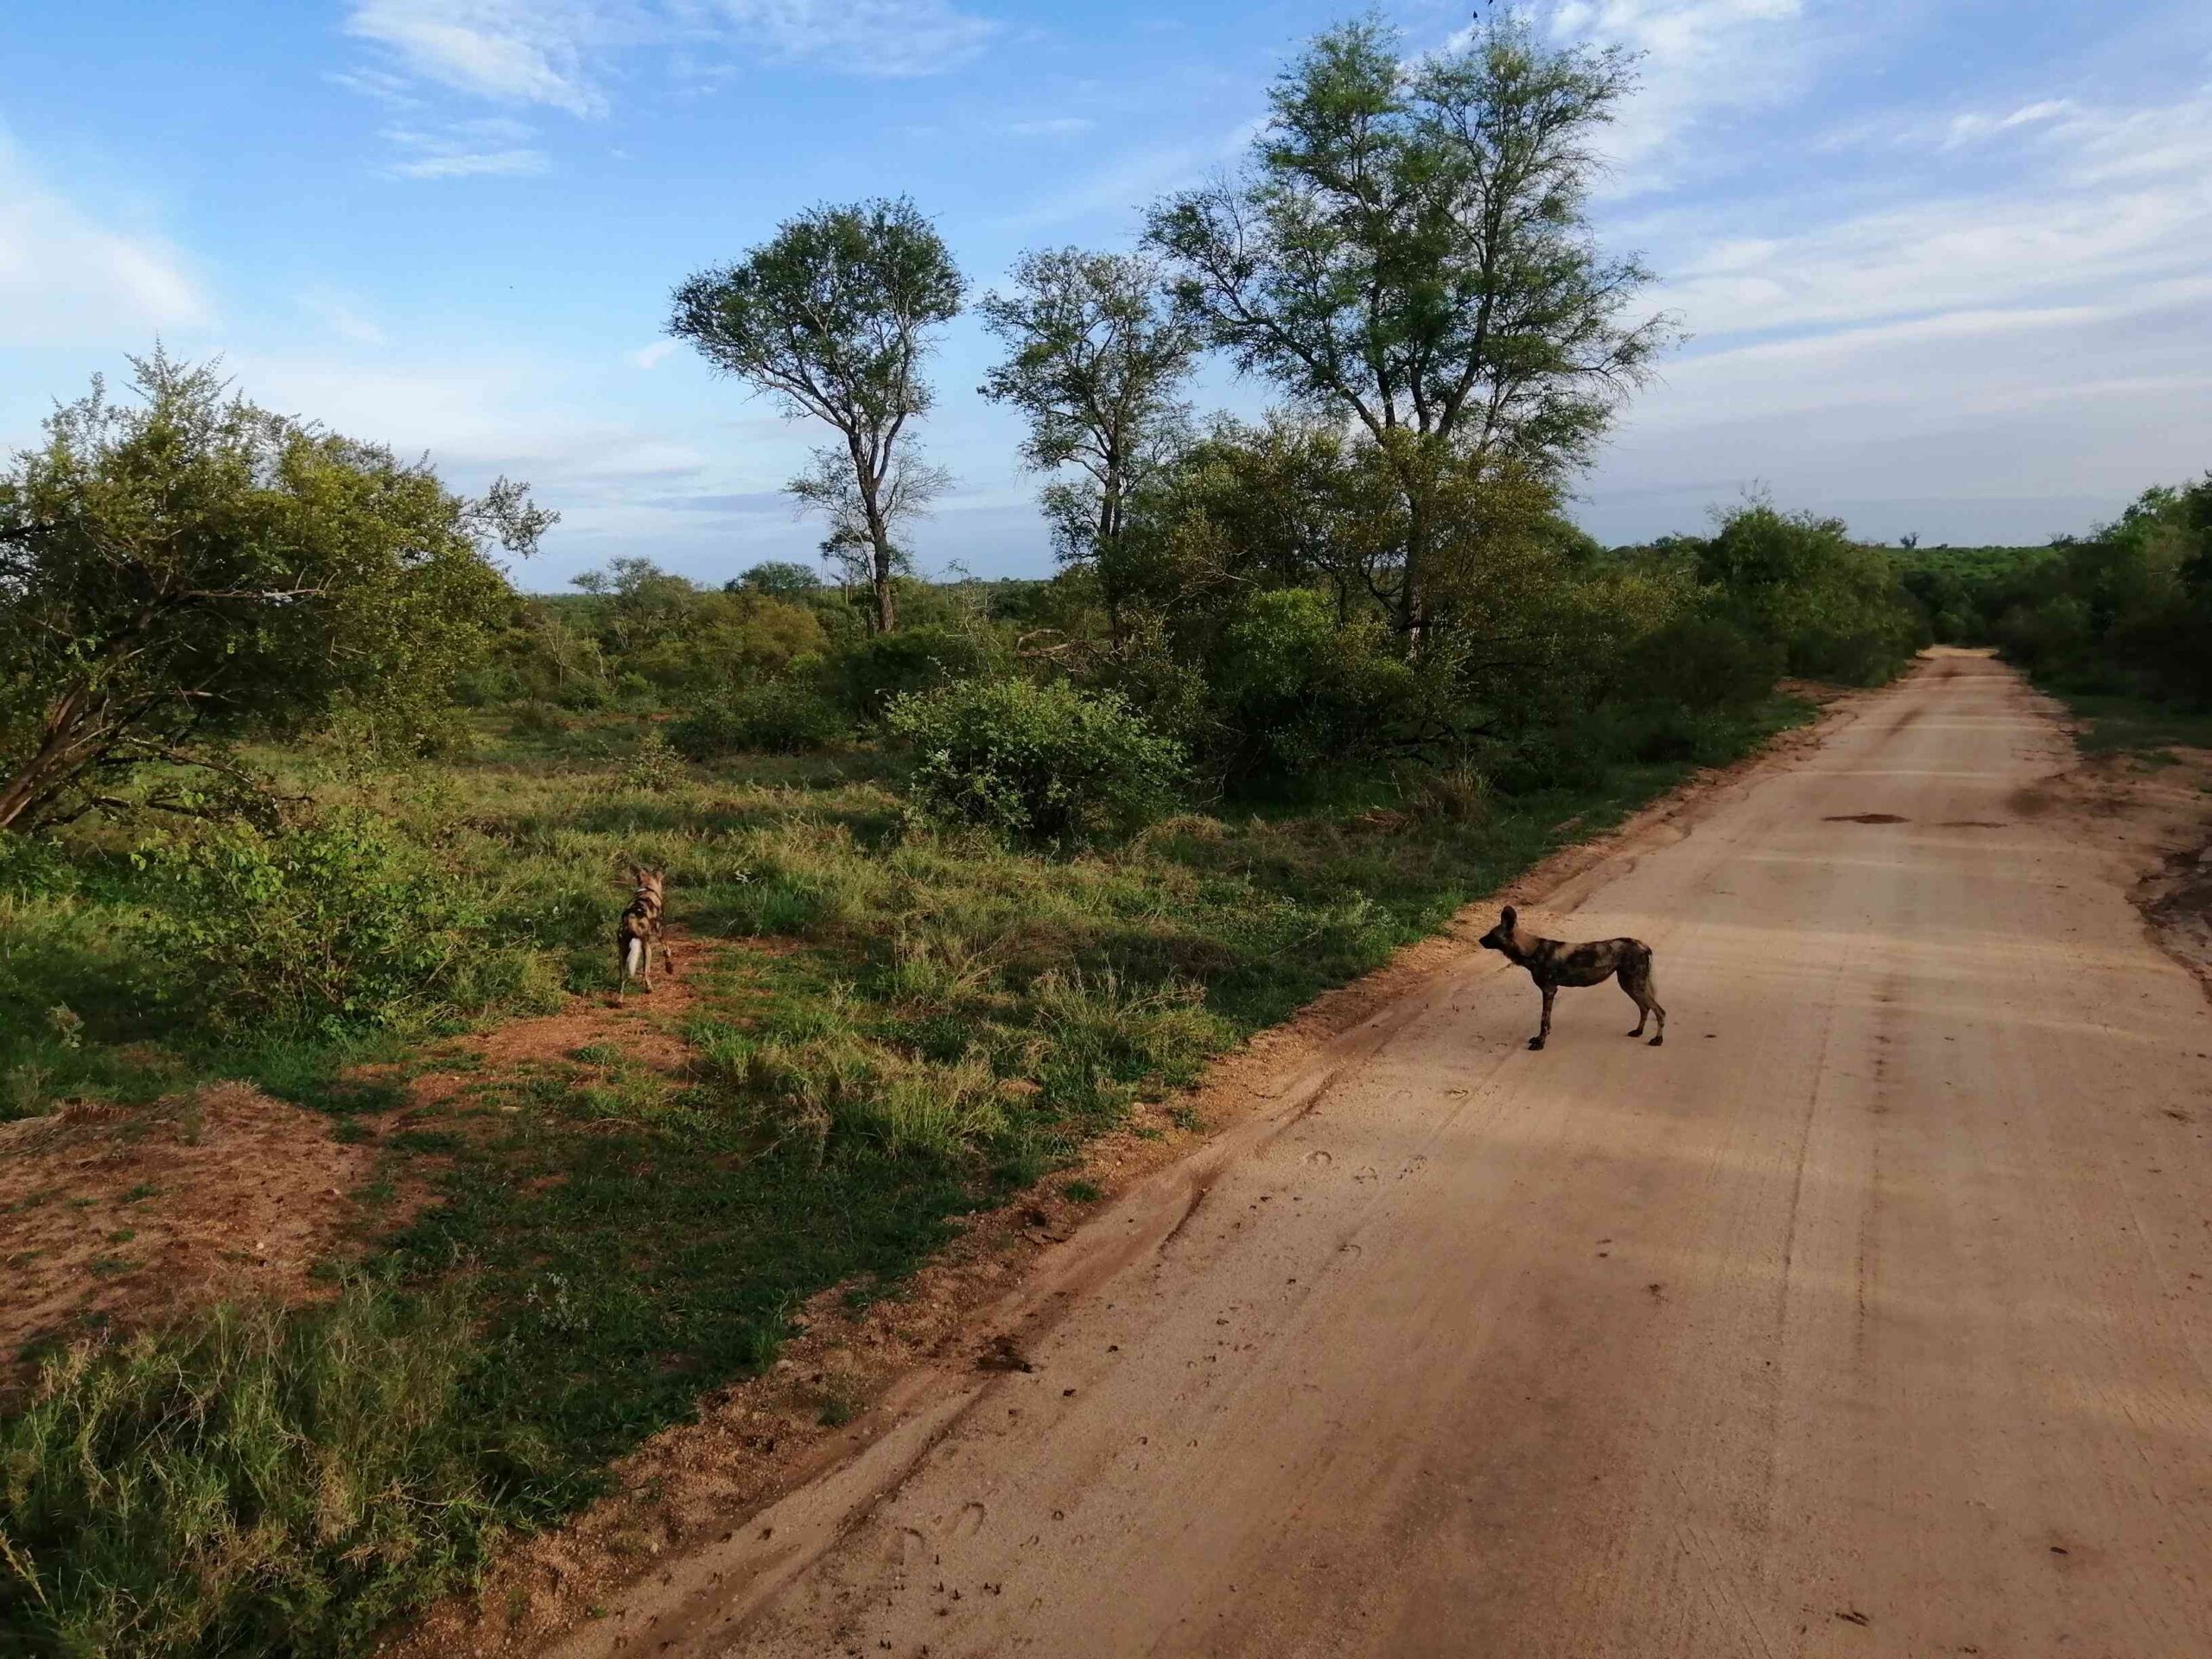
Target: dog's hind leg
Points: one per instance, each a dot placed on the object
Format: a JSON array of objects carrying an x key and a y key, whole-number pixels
[
  {"x": 1636, "y": 980},
  {"x": 1545, "y": 1030}
]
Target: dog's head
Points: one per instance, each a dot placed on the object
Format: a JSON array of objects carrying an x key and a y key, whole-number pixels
[
  {"x": 647, "y": 881},
  {"x": 1501, "y": 937}
]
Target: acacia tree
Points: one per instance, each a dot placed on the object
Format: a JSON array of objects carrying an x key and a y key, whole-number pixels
[
  {"x": 1098, "y": 354},
  {"x": 832, "y": 315},
  {"x": 1409, "y": 247},
  {"x": 175, "y": 573}
]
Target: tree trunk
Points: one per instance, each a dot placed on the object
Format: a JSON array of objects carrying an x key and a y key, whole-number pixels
[
  {"x": 886, "y": 607},
  {"x": 61, "y": 752},
  {"x": 1110, "y": 591},
  {"x": 1411, "y": 616}
]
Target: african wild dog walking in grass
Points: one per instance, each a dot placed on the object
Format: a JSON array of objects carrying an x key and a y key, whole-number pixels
[
  {"x": 638, "y": 933},
  {"x": 1553, "y": 962}
]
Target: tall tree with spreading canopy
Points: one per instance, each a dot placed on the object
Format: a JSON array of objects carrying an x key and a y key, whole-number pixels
[
  {"x": 180, "y": 571},
  {"x": 1409, "y": 247},
  {"x": 834, "y": 316},
  {"x": 1097, "y": 355}
]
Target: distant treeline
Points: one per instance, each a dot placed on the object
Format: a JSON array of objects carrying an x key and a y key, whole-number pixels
[
  {"x": 2126, "y": 609},
  {"x": 1239, "y": 632}
]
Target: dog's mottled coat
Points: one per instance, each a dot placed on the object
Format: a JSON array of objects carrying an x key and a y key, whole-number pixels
[
  {"x": 1553, "y": 962},
  {"x": 638, "y": 935}
]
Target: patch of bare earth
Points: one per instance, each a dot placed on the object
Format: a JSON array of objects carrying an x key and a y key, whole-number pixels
[
  {"x": 119, "y": 1217},
  {"x": 2154, "y": 815},
  {"x": 644, "y": 1026},
  {"x": 987, "y": 1297}
]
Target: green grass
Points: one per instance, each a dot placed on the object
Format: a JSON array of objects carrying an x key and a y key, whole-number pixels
[
  {"x": 2118, "y": 724},
  {"x": 609, "y": 1241}
]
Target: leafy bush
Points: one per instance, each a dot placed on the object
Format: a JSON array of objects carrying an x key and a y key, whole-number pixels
[
  {"x": 1300, "y": 692},
  {"x": 337, "y": 925},
  {"x": 785, "y": 717},
  {"x": 1039, "y": 763},
  {"x": 654, "y": 765},
  {"x": 869, "y": 675},
  {"x": 1702, "y": 662},
  {"x": 1836, "y": 607}
]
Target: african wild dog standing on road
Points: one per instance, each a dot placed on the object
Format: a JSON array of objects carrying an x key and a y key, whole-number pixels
[
  {"x": 638, "y": 933},
  {"x": 1552, "y": 963}
]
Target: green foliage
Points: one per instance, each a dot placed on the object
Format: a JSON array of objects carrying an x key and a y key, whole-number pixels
[
  {"x": 1701, "y": 662},
  {"x": 786, "y": 717},
  {"x": 832, "y": 316},
  {"x": 178, "y": 574},
  {"x": 1096, "y": 358},
  {"x": 655, "y": 764},
  {"x": 1041, "y": 764},
  {"x": 681, "y": 638},
  {"x": 869, "y": 675},
  {"x": 2126, "y": 610},
  {"x": 779, "y": 579},
  {"x": 251, "y": 1481},
  {"x": 336, "y": 924},
  {"x": 1409, "y": 248},
  {"x": 1833, "y": 605},
  {"x": 1296, "y": 691}
]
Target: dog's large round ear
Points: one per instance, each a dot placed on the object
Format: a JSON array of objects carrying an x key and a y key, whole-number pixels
[{"x": 1510, "y": 917}]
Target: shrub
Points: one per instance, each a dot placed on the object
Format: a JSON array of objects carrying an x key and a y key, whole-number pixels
[
  {"x": 654, "y": 765},
  {"x": 786, "y": 717},
  {"x": 1296, "y": 693},
  {"x": 333, "y": 926},
  {"x": 872, "y": 672},
  {"x": 1703, "y": 662},
  {"x": 1038, "y": 763}
]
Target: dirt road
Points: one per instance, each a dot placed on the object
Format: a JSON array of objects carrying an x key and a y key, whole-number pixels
[{"x": 1870, "y": 1316}]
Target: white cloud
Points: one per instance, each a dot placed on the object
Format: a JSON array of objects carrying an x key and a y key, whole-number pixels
[
  {"x": 867, "y": 37},
  {"x": 494, "y": 149},
  {"x": 558, "y": 53},
  {"x": 66, "y": 279},
  {"x": 1700, "y": 58},
  {"x": 342, "y": 317},
  {"x": 1063, "y": 126},
  {"x": 649, "y": 357},
  {"x": 511, "y": 51},
  {"x": 2105, "y": 201},
  {"x": 1966, "y": 129},
  {"x": 2007, "y": 361}
]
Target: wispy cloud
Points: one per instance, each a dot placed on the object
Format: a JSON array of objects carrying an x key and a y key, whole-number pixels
[
  {"x": 867, "y": 37},
  {"x": 67, "y": 279},
  {"x": 2108, "y": 200},
  {"x": 488, "y": 149},
  {"x": 342, "y": 317},
  {"x": 559, "y": 54},
  {"x": 517, "y": 52},
  {"x": 1062, "y": 126},
  {"x": 2019, "y": 333},
  {"x": 650, "y": 357},
  {"x": 1700, "y": 59}
]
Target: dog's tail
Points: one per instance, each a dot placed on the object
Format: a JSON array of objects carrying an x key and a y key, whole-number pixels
[{"x": 633, "y": 955}]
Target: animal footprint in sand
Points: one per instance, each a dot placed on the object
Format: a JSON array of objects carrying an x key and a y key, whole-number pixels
[
  {"x": 1318, "y": 1159},
  {"x": 917, "y": 1548}
]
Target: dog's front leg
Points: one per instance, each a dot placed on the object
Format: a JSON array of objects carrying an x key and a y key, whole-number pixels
[{"x": 1545, "y": 1030}]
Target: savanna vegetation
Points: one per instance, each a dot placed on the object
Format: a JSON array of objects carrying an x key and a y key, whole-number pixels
[
  {"x": 2119, "y": 622},
  {"x": 295, "y": 786}
]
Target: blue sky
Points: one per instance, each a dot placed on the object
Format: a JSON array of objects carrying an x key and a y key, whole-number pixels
[{"x": 1947, "y": 263}]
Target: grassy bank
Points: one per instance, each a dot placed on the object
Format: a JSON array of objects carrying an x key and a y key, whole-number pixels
[
  {"x": 2112, "y": 723},
  {"x": 888, "y": 1029}
]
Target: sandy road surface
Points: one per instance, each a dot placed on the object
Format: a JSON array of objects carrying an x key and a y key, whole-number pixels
[{"x": 1870, "y": 1316}]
